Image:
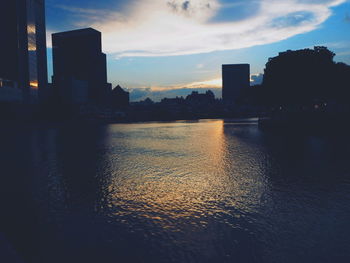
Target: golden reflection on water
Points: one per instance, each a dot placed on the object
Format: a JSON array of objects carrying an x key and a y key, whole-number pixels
[{"x": 180, "y": 171}]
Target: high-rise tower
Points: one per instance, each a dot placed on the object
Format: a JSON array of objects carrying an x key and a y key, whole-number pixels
[
  {"x": 23, "y": 62},
  {"x": 79, "y": 67}
]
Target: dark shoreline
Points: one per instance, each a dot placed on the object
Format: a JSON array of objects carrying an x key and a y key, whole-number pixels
[{"x": 96, "y": 121}]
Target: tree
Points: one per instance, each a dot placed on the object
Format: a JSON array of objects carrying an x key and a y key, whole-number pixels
[{"x": 298, "y": 78}]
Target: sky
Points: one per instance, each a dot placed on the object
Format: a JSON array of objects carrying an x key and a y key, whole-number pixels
[{"x": 167, "y": 48}]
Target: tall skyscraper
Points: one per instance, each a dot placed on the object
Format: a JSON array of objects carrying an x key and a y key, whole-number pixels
[
  {"x": 23, "y": 64},
  {"x": 235, "y": 77},
  {"x": 79, "y": 67}
]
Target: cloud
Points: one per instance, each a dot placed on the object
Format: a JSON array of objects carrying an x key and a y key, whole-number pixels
[
  {"x": 49, "y": 38},
  {"x": 344, "y": 53},
  {"x": 336, "y": 45},
  {"x": 87, "y": 16},
  {"x": 340, "y": 48},
  {"x": 256, "y": 79},
  {"x": 179, "y": 27},
  {"x": 347, "y": 18},
  {"x": 81, "y": 10},
  {"x": 200, "y": 10}
]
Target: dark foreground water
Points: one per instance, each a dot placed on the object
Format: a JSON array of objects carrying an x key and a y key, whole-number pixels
[{"x": 208, "y": 191}]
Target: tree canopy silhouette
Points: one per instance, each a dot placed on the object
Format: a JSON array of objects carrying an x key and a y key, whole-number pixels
[{"x": 303, "y": 77}]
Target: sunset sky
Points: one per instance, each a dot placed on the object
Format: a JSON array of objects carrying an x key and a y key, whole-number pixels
[{"x": 160, "y": 48}]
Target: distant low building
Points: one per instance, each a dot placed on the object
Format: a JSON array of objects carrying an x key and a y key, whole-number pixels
[
  {"x": 145, "y": 102},
  {"x": 173, "y": 101},
  {"x": 203, "y": 98},
  {"x": 120, "y": 98}
]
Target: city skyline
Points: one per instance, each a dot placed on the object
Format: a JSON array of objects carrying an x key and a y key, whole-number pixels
[{"x": 175, "y": 64}]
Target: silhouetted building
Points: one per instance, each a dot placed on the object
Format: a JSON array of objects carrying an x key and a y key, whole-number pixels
[
  {"x": 173, "y": 101},
  {"x": 120, "y": 98},
  {"x": 235, "y": 78},
  {"x": 202, "y": 98},
  {"x": 145, "y": 102},
  {"x": 79, "y": 67},
  {"x": 23, "y": 65}
]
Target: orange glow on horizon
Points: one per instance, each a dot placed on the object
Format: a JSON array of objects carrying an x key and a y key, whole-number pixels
[{"x": 206, "y": 84}]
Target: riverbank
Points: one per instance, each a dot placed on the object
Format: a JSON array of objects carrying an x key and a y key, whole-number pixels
[{"x": 306, "y": 122}]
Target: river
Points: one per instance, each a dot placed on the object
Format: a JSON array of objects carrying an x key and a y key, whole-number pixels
[{"x": 187, "y": 191}]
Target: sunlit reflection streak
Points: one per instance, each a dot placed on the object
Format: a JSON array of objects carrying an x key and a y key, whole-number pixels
[{"x": 184, "y": 179}]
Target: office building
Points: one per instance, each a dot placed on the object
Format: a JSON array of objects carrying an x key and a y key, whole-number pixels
[
  {"x": 235, "y": 78},
  {"x": 79, "y": 67},
  {"x": 23, "y": 65}
]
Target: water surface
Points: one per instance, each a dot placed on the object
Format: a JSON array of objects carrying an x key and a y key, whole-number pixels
[{"x": 207, "y": 191}]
